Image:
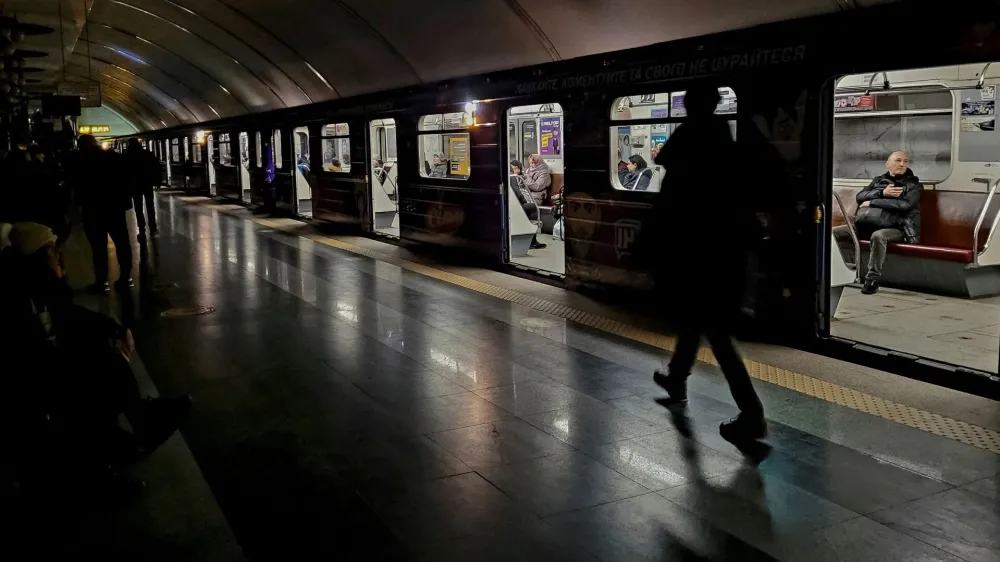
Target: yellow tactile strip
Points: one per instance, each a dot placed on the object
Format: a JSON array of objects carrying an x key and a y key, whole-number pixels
[{"x": 963, "y": 432}]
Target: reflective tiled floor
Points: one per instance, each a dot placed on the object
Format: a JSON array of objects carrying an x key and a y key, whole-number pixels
[{"x": 347, "y": 409}]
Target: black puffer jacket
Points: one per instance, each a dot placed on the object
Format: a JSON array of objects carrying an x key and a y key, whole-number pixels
[{"x": 906, "y": 207}]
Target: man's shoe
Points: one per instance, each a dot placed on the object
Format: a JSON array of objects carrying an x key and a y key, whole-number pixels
[
  {"x": 871, "y": 287},
  {"x": 675, "y": 386},
  {"x": 99, "y": 288},
  {"x": 124, "y": 284},
  {"x": 537, "y": 246},
  {"x": 743, "y": 429}
]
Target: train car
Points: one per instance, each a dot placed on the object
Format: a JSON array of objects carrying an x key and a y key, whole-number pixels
[{"x": 431, "y": 164}]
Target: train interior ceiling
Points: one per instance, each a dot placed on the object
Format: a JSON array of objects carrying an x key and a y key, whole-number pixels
[{"x": 939, "y": 298}]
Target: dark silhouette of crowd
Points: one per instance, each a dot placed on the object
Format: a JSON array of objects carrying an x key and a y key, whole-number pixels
[{"x": 73, "y": 415}]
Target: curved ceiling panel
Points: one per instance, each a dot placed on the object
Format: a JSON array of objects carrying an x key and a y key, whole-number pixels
[
  {"x": 80, "y": 64},
  {"x": 455, "y": 38},
  {"x": 352, "y": 54},
  {"x": 243, "y": 48},
  {"x": 107, "y": 81},
  {"x": 221, "y": 67},
  {"x": 300, "y": 69},
  {"x": 134, "y": 52},
  {"x": 127, "y": 114}
]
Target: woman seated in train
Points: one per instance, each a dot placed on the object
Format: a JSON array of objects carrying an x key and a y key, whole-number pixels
[
  {"x": 636, "y": 175},
  {"x": 525, "y": 198},
  {"x": 538, "y": 179},
  {"x": 439, "y": 166}
]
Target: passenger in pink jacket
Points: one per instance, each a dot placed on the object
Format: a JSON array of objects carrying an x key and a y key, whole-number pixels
[{"x": 538, "y": 178}]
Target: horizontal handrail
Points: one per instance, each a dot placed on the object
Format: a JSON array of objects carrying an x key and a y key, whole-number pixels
[
  {"x": 993, "y": 227},
  {"x": 854, "y": 236},
  {"x": 982, "y": 216}
]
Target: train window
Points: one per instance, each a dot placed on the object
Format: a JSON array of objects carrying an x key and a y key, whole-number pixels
[
  {"x": 196, "y": 154},
  {"x": 336, "y": 147},
  {"x": 276, "y": 146},
  {"x": 867, "y": 128},
  {"x": 260, "y": 152},
  {"x": 634, "y": 147},
  {"x": 225, "y": 150},
  {"x": 444, "y": 155},
  {"x": 175, "y": 150},
  {"x": 187, "y": 149}
]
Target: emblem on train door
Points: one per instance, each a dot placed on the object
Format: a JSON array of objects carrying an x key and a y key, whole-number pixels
[{"x": 625, "y": 233}]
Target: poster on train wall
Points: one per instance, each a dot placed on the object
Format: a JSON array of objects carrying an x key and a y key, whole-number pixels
[
  {"x": 846, "y": 104},
  {"x": 458, "y": 155},
  {"x": 657, "y": 141},
  {"x": 549, "y": 137},
  {"x": 978, "y": 116}
]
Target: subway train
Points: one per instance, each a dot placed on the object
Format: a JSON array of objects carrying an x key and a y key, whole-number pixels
[{"x": 815, "y": 106}]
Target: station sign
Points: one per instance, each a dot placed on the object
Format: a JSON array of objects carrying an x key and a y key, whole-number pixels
[
  {"x": 94, "y": 129},
  {"x": 89, "y": 92}
]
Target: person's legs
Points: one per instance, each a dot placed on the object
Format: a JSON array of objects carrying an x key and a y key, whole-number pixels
[
  {"x": 118, "y": 229},
  {"x": 842, "y": 235},
  {"x": 97, "y": 236},
  {"x": 879, "y": 242},
  {"x": 140, "y": 218},
  {"x": 679, "y": 368},
  {"x": 147, "y": 193},
  {"x": 736, "y": 374}
]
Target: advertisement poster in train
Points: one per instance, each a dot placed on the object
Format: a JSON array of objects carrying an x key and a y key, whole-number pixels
[
  {"x": 550, "y": 136},
  {"x": 978, "y": 116},
  {"x": 659, "y": 139},
  {"x": 458, "y": 155},
  {"x": 847, "y": 104}
]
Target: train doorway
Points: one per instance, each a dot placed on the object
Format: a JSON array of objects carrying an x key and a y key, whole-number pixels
[
  {"x": 210, "y": 163},
  {"x": 383, "y": 177},
  {"x": 535, "y": 229},
  {"x": 914, "y": 267},
  {"x": 245, "y": 167},
  {"x": 303, "y": 191}
]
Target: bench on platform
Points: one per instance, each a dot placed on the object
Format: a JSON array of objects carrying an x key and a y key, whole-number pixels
[{"x": 953, "y": 256}]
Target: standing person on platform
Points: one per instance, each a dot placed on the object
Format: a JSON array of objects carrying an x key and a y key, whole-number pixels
[
  {"x": 102, "y": 192},
  {"x": 143, "y": 174},
  {"x": 700, "y": 284}
]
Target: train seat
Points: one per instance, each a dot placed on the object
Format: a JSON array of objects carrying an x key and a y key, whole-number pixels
[
  {"x": 545, "y": 211},
  {"x": 948, "y": 222}
]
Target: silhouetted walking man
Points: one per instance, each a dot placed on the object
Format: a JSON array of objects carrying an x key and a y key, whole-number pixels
[
  {"x": 103, "y": 195},
  {"x": 143, "y": 174},
  {"x": 704, "y": 222}
]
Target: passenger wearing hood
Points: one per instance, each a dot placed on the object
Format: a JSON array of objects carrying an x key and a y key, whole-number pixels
[{"x": 537, "y": 179}]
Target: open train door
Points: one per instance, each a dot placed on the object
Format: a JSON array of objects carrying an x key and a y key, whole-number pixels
[
  {"x": 382, "y": 178},
  {"x": 303, "y": 191}
]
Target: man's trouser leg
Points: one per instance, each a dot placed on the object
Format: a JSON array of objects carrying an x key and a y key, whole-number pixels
[
  {"x": 685, "y": 352},
  {"x": 140, "y": 218},
  {"x": 147, "y": 194},
  {"x": 118, "y": 229},
  {"x": 736, "y": 374},
  {"x": 880, "y": 240},
  {"x": 845, "y": 243},
  {"x": 97, "y": 236}
]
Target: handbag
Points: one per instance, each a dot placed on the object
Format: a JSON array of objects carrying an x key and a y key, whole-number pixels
[{"x": 873, "y": 217}]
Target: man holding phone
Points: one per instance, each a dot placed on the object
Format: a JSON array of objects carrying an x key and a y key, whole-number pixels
[{"x": 888, "y": 211}]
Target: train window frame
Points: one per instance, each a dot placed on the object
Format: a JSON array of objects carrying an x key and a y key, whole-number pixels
[
  {"x": 196, "y": 153},
  {"x": 451, "y": 128},
  {"x": 661, "y": 126},
  {"x": 187, "y": 149},
  {"x": 260, "y": 150},
  {"x": 875, "y": 111},
  {"x": 276, "y": 148},
  {"x": 225, "y": 141},
  {"x": 332, "y": 134}
]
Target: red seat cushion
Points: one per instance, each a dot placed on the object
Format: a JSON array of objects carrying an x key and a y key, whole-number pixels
[{"x": 927, "y": 252}]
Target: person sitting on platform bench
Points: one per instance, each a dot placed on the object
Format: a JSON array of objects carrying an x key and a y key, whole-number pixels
[{"x": 888, "y": 211}]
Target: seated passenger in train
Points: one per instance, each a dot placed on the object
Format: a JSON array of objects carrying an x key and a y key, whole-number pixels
[
  {"x": 525, "y": 199},
  {"x": 888, "y": 211},
  {"x": 538, "y": 179},
  {"x": 439, "y": 166},
  {"x": 636, "y": 175},
  {"x": 380, "y": 171}
]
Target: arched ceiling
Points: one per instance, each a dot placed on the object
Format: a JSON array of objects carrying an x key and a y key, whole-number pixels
[{"x": 167, "y": 62}]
